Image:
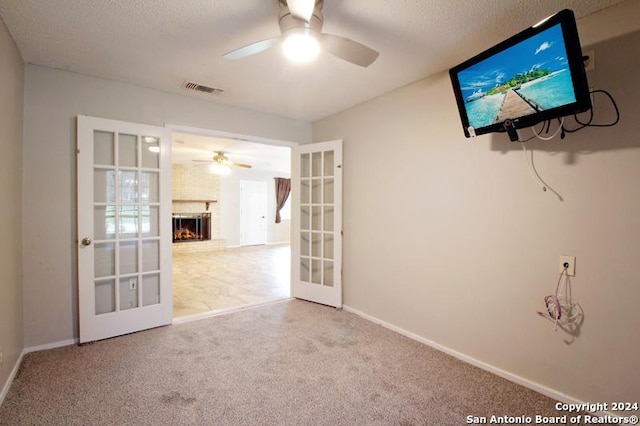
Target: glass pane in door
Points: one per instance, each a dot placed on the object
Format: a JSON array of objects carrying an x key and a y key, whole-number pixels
[
  {"x": 150, "y": 221},
  {"x": 105, "y": 259},
  {"x": 316, "y": 164},
  {"x": 104, "y": 186},
  {"x": 316, "y": 191},
  {"x": 103, "y": 148},
  {"x": 127, "y": 150},
  {"x": 316, "y": 271},
  {"x": 328, "y": 246},
  {"x": 305, "y": 240},
  {"x": 304, "y": 269},
  {"x": 305, "y": 166},
  {"x": 104, "y": 222},
  {"x": 150, "y": 152},
  {"x": 128, "y": 183},
  {"x": 316, "y": 244},
  {"x": 150, "y": 289},
  {"x": 328, "y": 163},
  {"x": 305, "y": 219},
  {"x": 105, "y": 296},
  {"x": 149, "y": 187},
  {"x": 128, "y": 257},
  {"x": 305, "y": 191},
  {"x": 128, "y": 221},
  {"x": 328, "y": 191},
  {"x": 150, "y": 255},
  {"x": 128, "y": 293},
  {"x": 328, "y": 273}
]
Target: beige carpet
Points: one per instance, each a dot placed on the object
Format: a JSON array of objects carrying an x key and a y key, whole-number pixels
[{"x": 288, "y": 363}]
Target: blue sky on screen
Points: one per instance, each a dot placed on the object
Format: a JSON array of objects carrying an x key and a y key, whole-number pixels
[{"x": 545, "y": 50}]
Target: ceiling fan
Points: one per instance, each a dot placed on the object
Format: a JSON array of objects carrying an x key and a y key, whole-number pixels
[
  {"x": 221, "y": 164},
  {"x": 300, "y": 24}
]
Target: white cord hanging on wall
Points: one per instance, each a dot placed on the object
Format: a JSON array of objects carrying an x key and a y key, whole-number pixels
[
  {"x": 529, "y": 158},
  {"x": 560, "y": 309}
]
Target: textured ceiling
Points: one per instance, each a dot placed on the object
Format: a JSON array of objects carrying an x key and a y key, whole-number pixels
[
  {"x": 162, "y": 43},
  {"x": 262, "y": 157}
]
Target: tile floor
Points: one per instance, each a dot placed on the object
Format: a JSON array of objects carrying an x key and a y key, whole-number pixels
[{"x": 229, "y": 278}]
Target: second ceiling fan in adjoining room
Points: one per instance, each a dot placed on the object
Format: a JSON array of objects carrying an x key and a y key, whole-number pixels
[{"x": 220, "y": 164}]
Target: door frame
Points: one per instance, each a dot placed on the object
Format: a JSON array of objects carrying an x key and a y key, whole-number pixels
[{"x": 179, "y": 128}]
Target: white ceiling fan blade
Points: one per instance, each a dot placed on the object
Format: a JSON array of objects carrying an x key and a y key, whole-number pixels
[
  {"x": 252, "y": 49},
  {"x": 246, "y": 166},
  {"x": 301, "y": 9},
  {"x": 349, "y": 50}
]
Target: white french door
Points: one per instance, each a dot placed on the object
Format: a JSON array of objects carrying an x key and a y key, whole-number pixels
[
  {"x": 316, "y": 246},
  {"x": 253, "y": 213},
  {"x": 124, "y": 227}
]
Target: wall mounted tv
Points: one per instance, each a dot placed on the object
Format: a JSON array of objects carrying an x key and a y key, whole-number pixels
[{"x": 534, "y": 76}]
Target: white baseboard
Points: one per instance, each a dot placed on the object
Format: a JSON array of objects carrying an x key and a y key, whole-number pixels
[
  {"x": 25, "y": 351},
  {"x": 12, "y": 375},
  {"x": 51, "y": 345},
  {"x": 551, "y": 393}
]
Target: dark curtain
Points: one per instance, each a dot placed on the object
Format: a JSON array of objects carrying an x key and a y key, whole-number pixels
[{"x": 283, "y": 189}]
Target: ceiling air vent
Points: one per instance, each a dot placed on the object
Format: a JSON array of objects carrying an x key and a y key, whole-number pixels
[{"x": 190, "y": 85}]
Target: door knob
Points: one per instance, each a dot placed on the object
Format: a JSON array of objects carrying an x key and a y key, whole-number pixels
[{"x": 86, "y": 241}]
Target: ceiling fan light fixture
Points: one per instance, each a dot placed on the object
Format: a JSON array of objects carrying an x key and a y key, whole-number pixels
[
  {"x": 301, "y": 47},
  {"x": 220, "y": 169}
]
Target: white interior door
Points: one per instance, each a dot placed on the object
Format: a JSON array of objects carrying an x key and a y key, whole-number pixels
[
  {"x": 124, "y": 227},
  {"x": 316, "y": 246},
  {"x": 253, "y": 213}
]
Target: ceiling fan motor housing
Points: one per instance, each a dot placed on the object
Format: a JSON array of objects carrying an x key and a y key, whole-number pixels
[{"x": 289, "y": 23}]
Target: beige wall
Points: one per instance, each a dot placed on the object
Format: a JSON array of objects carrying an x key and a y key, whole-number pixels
[
  {"x": 11, "y": 118},
  {"x": 451, "y": 239},
  {"x": 230, "y": 206},
  {"x": 53, "y": 99}
]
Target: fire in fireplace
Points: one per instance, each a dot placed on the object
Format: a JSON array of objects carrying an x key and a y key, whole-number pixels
[{"x": 191, "y": 227}]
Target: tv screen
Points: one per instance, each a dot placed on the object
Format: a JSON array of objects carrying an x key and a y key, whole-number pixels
[{"x": 534, "y": 76}]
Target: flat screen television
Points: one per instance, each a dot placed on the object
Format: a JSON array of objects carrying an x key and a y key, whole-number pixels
[{"x": 534, "y": 76}]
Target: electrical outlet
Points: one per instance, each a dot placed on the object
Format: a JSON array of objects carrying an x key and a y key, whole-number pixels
[
  {"x": 133, "y": 284},
  {"x": 570, "y": 262}
]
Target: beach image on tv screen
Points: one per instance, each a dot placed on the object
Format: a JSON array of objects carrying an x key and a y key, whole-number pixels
[{"x": 530, "y": 76}]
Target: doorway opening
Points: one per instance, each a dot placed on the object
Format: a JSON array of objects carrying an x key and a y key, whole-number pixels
[{"x": 246, "y": 260}]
